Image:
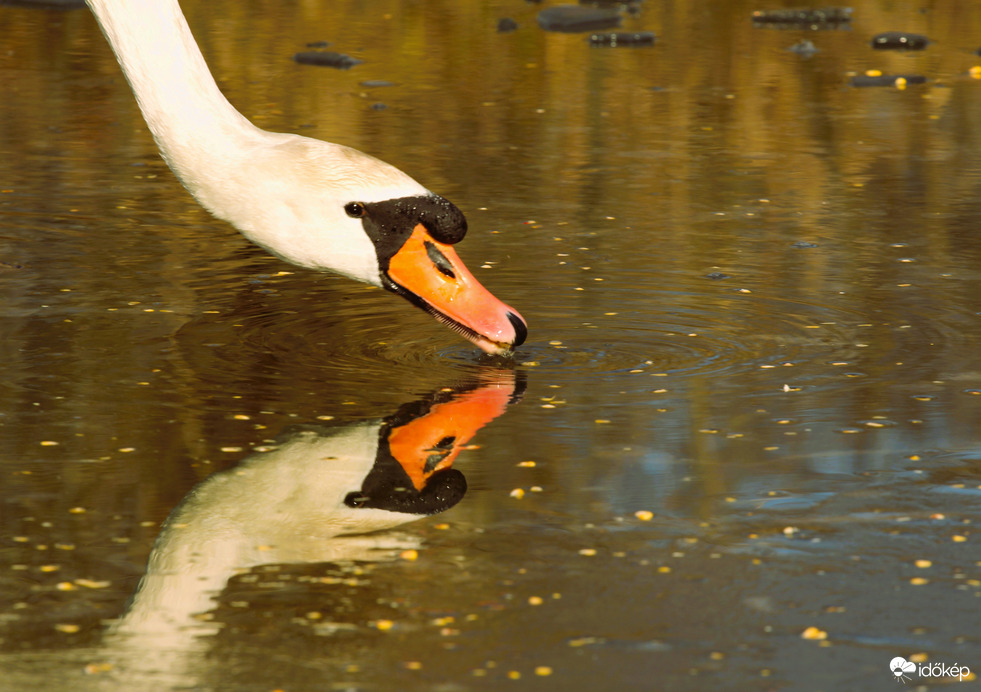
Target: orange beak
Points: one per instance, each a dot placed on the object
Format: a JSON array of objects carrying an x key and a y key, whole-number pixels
[
  {"x": 431, "y": 443},
  {"x": 434, "y": 277}
]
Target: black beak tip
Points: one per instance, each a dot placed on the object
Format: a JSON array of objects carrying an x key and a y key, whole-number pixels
[{"x": 520, "y": 329}]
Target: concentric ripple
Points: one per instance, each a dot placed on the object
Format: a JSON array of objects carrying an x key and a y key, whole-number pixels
[{"x": 697, "y": 334}]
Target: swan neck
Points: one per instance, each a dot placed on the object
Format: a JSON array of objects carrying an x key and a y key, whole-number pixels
[{"x": 180, "y": 101}]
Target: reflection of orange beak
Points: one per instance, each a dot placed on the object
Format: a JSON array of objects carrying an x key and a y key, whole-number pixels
[
  {"x": 431, "y": 443},
  {"x": 436, "y": 279}
]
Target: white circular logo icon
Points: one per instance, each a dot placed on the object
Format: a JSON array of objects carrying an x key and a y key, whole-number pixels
[{"x": 900, "y": 667}]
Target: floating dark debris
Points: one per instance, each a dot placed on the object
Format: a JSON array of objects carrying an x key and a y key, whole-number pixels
[
  {"x": 803, "y": 244},
  {"x": 576, "y": 18},
  {"x": 374, "y": 83},
  {"x": 46, "y": 4},
  {"x": 326, "y": 58},
  {"x": 864, "y": 80},
  {"x": 899, "y": 40},
  {"x": 804, "y": 18},
  {"x": 804, "y": 47},
  {"x": 506, "y": 25},
  {"x": 617, "y": 38},
  {"x": 318, "y": 44}
]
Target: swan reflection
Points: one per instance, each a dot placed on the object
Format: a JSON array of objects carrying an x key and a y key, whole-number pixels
[{"x": 320, "y": 495}]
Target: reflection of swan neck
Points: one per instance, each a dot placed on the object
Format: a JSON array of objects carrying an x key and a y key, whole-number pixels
[
  {"x": 190, "y": 118},
  {"x": 284, "y": 505}
]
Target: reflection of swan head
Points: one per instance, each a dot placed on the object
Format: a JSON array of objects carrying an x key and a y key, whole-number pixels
[{"x": 311, "y": 498}]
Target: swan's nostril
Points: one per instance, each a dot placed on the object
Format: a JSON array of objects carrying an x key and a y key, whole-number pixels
[{"x": 520, "y": 329}]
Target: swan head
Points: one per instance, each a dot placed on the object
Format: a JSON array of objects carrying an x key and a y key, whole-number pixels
[
  {"x": 329, "y": 207},
  {"x": 413, "y": 240}
]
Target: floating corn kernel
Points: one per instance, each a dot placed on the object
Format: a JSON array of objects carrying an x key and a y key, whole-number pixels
[
  {"x": 517, "y": 493},
  {"x": 644, "y": 515},
  {"x": 409, "y": 555}
]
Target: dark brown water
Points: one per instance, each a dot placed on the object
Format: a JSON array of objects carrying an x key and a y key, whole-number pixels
[{"x": 751, "y": 392}]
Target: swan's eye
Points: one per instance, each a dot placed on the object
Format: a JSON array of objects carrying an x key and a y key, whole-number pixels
[{"x": 355, "y": 210}]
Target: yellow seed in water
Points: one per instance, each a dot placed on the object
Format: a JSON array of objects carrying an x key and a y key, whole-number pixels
[
  {"x": 543, "y": 671},
  {"x": 644, "y": 515},
  {"x": 923, "y": 564},
  {"x": 384, "y": 625},
  {"x": 409, "y": 555}
]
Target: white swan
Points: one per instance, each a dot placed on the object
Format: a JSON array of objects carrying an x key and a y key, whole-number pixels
[{"x": 313, "y": 203}]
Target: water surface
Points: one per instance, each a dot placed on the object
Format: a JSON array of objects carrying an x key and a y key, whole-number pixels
[{"x": 749, "y": 404}]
